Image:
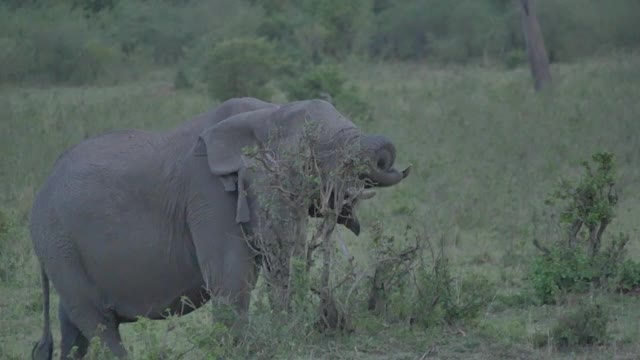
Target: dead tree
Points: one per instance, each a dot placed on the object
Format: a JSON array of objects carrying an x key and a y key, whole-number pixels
[{"x": 536, "y": 51}]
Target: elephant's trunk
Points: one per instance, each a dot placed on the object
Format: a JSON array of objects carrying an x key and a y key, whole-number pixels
[{"x": 382, "y": 154}]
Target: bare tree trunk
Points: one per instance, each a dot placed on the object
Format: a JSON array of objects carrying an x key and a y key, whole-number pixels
[{"x": 538, "y": 59}]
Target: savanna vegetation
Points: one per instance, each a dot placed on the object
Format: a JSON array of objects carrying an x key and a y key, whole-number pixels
[{"x": 515, "y": 236}]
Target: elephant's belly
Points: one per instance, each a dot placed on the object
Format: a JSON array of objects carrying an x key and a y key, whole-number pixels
[
  {"x": 137, "y": 277},
  {"x": 154, "y": 300},
  {"x": 191, "y": 300},
  {"x": 187, "y": 302}
]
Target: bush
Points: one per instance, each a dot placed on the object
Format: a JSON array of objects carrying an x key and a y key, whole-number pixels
[
  {"x": 573, "y": 30},
  {"x": 36, "y": 45},
  {"x": 321, "y": 81},
  {"x": 181, "y": 81},
  {"x": 628, "y": 277},
  {"x": 515, "y": 58},
  {"x": 464, "y": 30},
  {"x": 46, "y": 50},
  {"x": 327, "y": 28},
  {"x": 328, "y": 82},
  {"x": 447, "y": 299},
  {"x": 452, "y": 32},
  {"x": 165, "y": 31},
  {"x": 401, "y": 31},
  {"x": 64, "y": 59},
  {"x": 561, "y": 270},
  {"x": 404, "y": 286},
  {"x": 570, "y": 269},
  {"x": 586, "y": 325},
  {"x": 468, "y": 297},
  {"x": 344, "y": 21},
  {"x": 577, "y": 259},
  {"x": 241, "y": 67}
]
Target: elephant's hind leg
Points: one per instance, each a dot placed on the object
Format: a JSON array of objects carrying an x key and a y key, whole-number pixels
[
  {"x": 75, "y": 341},
  {"x": 84, "y": 313},
  {"x": 71, "y": 337}
]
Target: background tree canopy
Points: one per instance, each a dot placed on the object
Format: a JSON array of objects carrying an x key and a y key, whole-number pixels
[{"x": 99, "y": 37}]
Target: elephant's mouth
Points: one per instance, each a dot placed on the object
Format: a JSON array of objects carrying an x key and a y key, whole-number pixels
[{"x": 347, "y": 215}]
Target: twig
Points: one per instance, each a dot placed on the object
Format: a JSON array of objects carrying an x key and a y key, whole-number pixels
[
  {"x": 179, "y": 356},
  {"x": 573, "y": 232},
  {"x": 343, "y": 246},
  {"x": 541, "y": 247}
]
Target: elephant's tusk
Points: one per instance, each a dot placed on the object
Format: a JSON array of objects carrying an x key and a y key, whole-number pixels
[
  {"x": 366, "y": 194},
  {"x": 406, "y": 171}
]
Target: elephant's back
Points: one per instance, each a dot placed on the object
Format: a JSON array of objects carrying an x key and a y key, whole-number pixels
[{"x": 109, "y": 150}]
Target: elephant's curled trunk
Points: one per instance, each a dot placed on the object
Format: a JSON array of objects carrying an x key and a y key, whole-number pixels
[{"x": 382, "y": 153}]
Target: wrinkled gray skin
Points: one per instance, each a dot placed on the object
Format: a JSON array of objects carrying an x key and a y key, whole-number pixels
[{"x": 130, "y": 221}]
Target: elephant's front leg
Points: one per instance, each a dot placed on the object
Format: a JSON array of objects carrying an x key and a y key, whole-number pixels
[
  {"x": 228, "y": 269},
  {"x": 225, "y": 259}
]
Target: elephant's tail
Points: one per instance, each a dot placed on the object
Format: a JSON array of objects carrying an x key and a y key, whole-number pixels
[{"x": 43, "y": 349}]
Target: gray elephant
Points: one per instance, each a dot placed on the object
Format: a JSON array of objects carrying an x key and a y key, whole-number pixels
[{"x": 130, "y": 222}]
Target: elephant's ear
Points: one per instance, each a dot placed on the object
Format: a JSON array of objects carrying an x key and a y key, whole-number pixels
[
  {"x": 224, "y": 142},
  {"x": 224, "y": 145}
]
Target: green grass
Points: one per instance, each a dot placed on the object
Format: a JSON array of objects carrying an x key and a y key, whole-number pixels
[{"x": 486, "y": 150}]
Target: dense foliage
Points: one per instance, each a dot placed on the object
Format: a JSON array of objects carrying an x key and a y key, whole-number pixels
[
  {"x": 104, "y": 37},
  {"x": 240, "y": 67}
]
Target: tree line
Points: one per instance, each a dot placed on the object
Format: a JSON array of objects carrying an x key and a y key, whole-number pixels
[{"x": 79, "y": 41}]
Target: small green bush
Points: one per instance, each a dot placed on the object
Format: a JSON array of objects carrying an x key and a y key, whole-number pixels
[
  {"x": 241, "y": 67},
  {"x": 628, "y": 277},
  {"x": 578, "y": 259},
  {"x": 570, "y": 269},
  {"x": 320, "y": 81},
  {"x": 328, "y": 82},
  {"x": 181, "y": 81},
  {"x": 515, "y": 58},
  {"x": 425, "y": 293},
  {"x": 586, "y": 325},
  {"x": 467, "y": 298},
  {"x": 562, "y": 270},
  {"x": 447, "y": 299}
]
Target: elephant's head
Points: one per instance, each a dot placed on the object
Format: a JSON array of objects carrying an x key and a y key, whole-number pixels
[{"x": 283, "y": 125}]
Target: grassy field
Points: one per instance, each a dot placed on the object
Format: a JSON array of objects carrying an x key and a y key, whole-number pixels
[{"x": 485, "y": 149}]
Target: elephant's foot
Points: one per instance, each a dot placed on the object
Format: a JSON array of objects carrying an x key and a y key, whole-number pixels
[{"x": 43, "y": 349}]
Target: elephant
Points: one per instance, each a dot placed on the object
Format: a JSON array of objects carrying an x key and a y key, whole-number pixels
[{"x": 130, "y": 223}]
